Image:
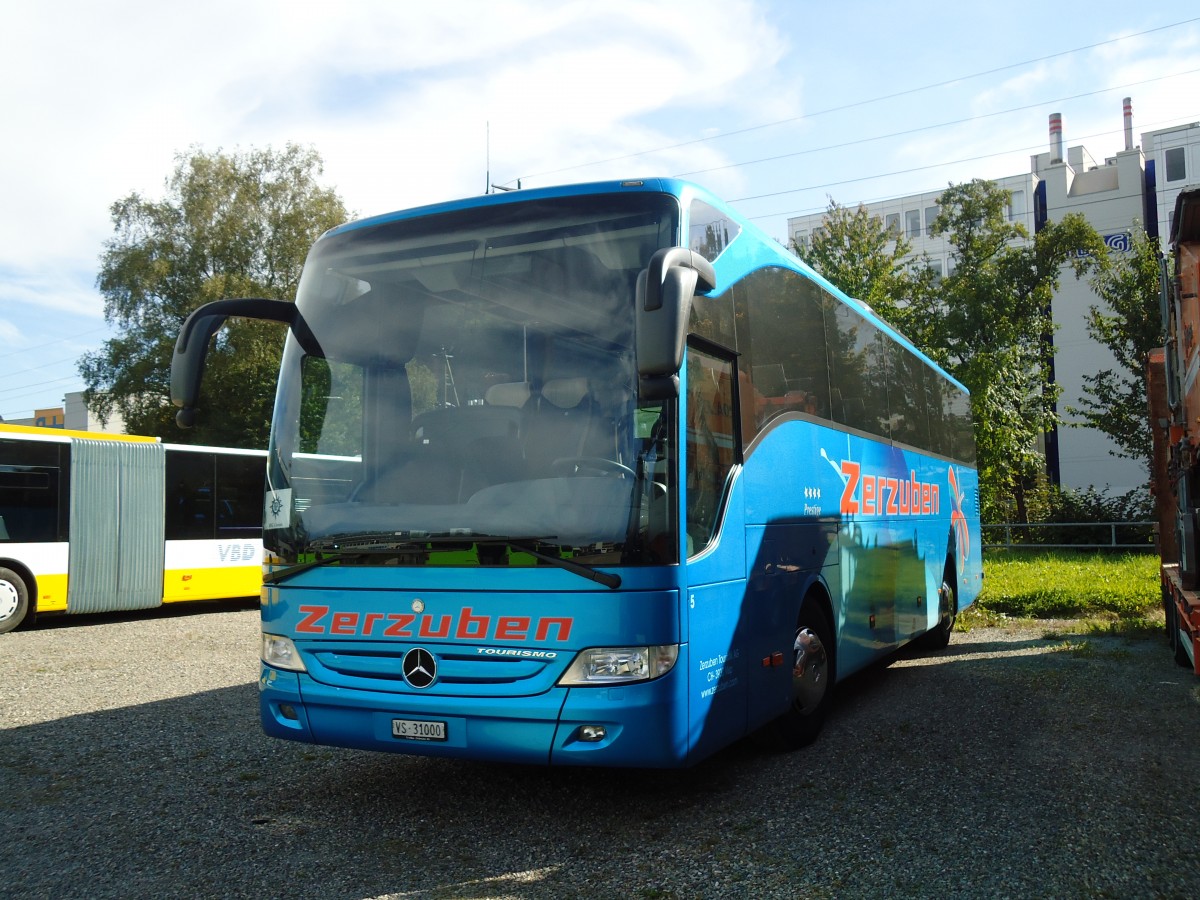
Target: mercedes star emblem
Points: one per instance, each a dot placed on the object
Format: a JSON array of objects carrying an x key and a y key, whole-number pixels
[{"x": 419, "y": 667}]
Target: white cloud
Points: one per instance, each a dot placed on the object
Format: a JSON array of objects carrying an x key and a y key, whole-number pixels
[
  {"x": 396, "y": 97},
  {"x": 9, "y": 333},
  {"x": 56, "y": 287}
]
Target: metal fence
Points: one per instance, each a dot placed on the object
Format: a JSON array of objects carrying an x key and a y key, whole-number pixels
[{"x": 1070, "y": 535}]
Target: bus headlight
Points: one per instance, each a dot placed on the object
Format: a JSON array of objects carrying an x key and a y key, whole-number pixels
[
  {"x": 281, "y": 653},
  {"x": 620, "y": 665}
]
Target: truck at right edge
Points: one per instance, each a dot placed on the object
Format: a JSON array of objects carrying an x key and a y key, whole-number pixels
[{"x": 1174, "y": 394}]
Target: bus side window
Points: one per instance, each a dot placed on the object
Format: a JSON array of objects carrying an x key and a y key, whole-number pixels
[
  {"x": 190, "y": 500},
  {"x": 28, "y": 504},
  {"x": 240, "y": 489},
  {"x": 710, "y": 443}
]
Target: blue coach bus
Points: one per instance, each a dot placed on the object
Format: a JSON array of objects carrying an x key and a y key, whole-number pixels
[{"x": 591, "y": 475}]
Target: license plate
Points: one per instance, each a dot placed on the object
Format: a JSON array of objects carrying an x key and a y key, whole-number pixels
[{"x": 418, "y": 730}]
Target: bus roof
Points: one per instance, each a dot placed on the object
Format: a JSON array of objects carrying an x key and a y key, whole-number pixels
[
  {"x": 671, "y": 186},
  {"x": 64, "y": 435}
]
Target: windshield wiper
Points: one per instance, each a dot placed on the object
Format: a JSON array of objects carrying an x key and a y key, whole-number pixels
[
  {"x": 526, "y": 545},
  {"x": 339, "y": 548},
  {"x": 324, "y": 560}
]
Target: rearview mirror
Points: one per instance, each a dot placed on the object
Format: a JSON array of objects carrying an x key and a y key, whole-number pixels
[{"x": 664, "y": 305}]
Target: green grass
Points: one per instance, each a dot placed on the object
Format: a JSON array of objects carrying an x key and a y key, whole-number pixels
[{"x": 1062, "y": 584}]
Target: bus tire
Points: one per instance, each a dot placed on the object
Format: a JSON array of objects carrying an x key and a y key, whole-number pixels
[
  {"x": 1172, "y": 626},
  {"x": 938, "y": 638},
  {"x": 14, "y": 600},
  {"x": 812, "y": 682}
]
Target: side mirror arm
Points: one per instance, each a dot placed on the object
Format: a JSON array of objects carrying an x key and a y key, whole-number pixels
[
  {"x": 669, "y": 258},
  {"x": 191, "y": 347}
]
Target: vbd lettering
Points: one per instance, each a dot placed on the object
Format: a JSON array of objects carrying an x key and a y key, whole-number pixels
[{"x": 231, "y": 553}]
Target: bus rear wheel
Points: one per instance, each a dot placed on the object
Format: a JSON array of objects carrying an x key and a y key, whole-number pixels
[
  {"x": 14, "y": 600},
  {"x": 938, "y": 638}
]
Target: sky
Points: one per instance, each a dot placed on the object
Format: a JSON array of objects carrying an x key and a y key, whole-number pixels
[{"x": 776, "y": 105}]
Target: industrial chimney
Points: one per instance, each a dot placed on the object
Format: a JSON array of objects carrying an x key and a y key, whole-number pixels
[
  {"x": 1056, "y": 140},
  {"x": 1128, "y": 123}
]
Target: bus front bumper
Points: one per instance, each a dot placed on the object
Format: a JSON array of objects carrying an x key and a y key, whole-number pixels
[{"x": 639, "y": 725}]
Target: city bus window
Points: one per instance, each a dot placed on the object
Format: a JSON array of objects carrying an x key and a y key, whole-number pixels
[
  {"x": 240, "y": 490},
  {"x": 710, "y": 443},
  {"x": 28, "y": 504},
  {"x": 190, "y": 496}
]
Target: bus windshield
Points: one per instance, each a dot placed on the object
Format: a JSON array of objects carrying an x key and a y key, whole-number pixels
[{"x": 466, "y": 380}]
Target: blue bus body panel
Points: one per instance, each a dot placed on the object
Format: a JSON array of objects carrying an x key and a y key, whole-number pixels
[
  {"x": 877, "y": 521},
  {"x": 871, "y": 524},
  {"x": 716, "y": 622}
]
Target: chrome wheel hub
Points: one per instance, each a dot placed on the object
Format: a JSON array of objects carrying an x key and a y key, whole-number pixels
[{"x": 810, "y": 671}]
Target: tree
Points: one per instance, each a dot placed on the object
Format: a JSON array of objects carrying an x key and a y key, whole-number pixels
[
  {"x": 1130, "y": 325},
  {"x": 230, "y": 225},
  {"x": 851, "y": 249},
  {"x": 989, "y": 323}
]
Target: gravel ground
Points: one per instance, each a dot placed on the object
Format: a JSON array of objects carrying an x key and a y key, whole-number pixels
[{"x": 1009, "y": 765}]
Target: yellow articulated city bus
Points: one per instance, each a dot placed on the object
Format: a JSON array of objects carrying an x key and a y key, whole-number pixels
[{"x": 96, "y": 523}]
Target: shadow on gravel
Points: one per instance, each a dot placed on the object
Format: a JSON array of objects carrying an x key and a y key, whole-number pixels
[{"x": 986, "y": 770}]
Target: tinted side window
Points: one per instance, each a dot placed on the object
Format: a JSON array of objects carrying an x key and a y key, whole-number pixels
[
  {"x": 857, "y": 372},
  {"x": 240, "y": 489},
  {"x": 709, "y": 230},
  {"x": 713, "y": 318},
  {"x": 957, "y": 411},
  {"x": 191, "y": 496},
  {"x": 790, "y": 369},
  {"x": 34, "y": 490},
  {"x": 941, "y": 438},
  {"x": 28, "y": 503},
  {"x": 908, "y": 401},
  {"x": 802, "y": 350}
]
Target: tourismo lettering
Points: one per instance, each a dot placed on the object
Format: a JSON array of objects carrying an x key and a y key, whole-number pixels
[
  {"x": 466, "y": 626},
  {"x": 881, "y": 495}
]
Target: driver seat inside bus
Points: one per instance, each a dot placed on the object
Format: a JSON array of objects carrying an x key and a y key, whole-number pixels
[{"x": 563, "y": 421}]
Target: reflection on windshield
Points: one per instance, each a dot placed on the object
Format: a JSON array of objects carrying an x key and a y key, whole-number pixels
[{"x": 474, "y": 375}]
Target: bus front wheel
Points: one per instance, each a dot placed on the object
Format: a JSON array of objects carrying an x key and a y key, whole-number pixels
[
  {"x": 14, "y": 600},
  {"x": 812, "y": 681}
]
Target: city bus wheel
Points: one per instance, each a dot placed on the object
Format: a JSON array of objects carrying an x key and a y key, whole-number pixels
[
  {"x": 14, "y": 600},
  {"x": 812, "y": 681}
]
